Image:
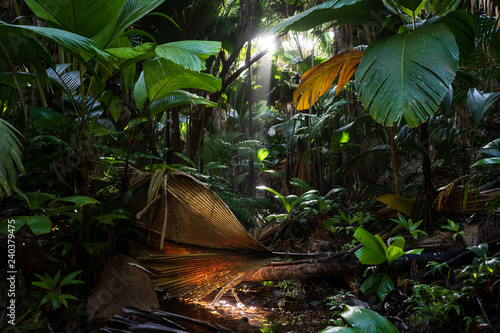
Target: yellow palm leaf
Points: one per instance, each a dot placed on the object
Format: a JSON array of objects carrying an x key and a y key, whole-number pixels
[{"x": 316, "y": 81}]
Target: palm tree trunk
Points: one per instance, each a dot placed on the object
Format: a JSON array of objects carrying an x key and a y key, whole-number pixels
[
  {"x": 251, "y": 185},
  {"x": 176, "y": 135},
  {"x": 424, "y": 204},
  {"x": 394, "y": 161},
  {"x": 85, "y": 183}
]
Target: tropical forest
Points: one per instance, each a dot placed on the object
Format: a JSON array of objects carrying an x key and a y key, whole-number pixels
[{"x": 249, "y": 166}]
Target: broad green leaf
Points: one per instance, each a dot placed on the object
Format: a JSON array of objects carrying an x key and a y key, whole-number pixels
[
  {"x": 43, "y": 113},
  {"x": 385, "y": 287},
  {"x": 270, "y": 190},
  {"x": 162, "y": 76},
  {"x": 479, "y": 250},
  {"x": 115, "y": 108},
  {"x": 109, "y": 218},
  {"x": 79, "y": 200},
  {"x": 10, "y": 158},
  {"x": 487, "y": 161},
  {"x": 39, "y": 224},
  {"x": 290, "y": 201},
  {"x": 369, "y": 240},
  {"x": 379, "y": 283},
  {"x": 479, "y": 102},
  {"x": 492, "y": 148},
  {"x": 128, "y": 52},
  {"x": 447, "y": 100},
  {"x": 140, "y": 91},
  {"x": 370, "y": 257},
  {"x": 4, "y": 224},
  {"x": 181, "y": 57},
  {"x": 177, "y": 98},
  {"x": 393, "y": 253},
  {"x": 36, "y": 199},
  {"x": 188, "y": 54},
  {"x": 381, "y": 242},
  {"x": 24, "y": 78},
  {"x": 96, "y": 20},
  {"x": 262, "y": 154},
  {"x": 131, "y": 55},
  {"x": 21, "y": 47},
  {"x": 407, "y": 76},
  {"x": 402, "y": 204},
  {"x": 345, "y": 137},
  {"x": 414, "y": 251},
  {"x": 132, "y": 11},
  {"x": 203, "y": 49},
  {"x": 398, "y": 241},
  {"x": 367, "y": 321},
  {"x": 367, "y": 12},
  {"x": 72, "y": 42},
  {"x": 302, "y": 184},
  {"x": 463, "y": 26}
]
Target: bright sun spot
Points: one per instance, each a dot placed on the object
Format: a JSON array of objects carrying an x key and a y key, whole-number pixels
[{"x": 266, "y": 43}]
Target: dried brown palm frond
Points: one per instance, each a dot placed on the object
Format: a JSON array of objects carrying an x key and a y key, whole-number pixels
[
  {"x": 122, "y": 283},
  {"x": 182, "y": 215},
  {"x": 180, "y": 208},
  {"x": 463, "y": 200},
  {"x": 196, "y": 275}
]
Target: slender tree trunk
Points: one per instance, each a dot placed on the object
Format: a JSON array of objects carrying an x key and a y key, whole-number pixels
[
  {"x": 176, "y": 135},
  {"x": 426, "y": 159},
  {"x": 394, "y": 161},
  {"x": 424, "y": 203},
  {"x": 85, "y": 182},
  {"x": 251, "y": 185}
]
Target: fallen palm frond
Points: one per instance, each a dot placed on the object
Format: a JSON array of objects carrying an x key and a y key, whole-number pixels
[
  {"x": 177, "y": 209},
  {"x": 122, "y": 283},
  {"x": 464, "y": 200},
  {"x": 196, "y": 275}
]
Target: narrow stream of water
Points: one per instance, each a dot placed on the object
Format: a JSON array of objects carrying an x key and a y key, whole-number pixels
[{"x": 264, "y": 307}]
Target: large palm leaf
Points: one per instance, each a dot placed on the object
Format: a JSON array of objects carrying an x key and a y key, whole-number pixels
[
  {"x": 407, "y": 75},
  {"x": 74, "y": 43},
  {"x": 317, "y": 81},
  {"x": 95, "y": 19},
  {"x": 161, "y": 77},
  {"x": 10, "y": 158},
  {"x": 99, "y": 20},
  {"x": 368, "y": 12}
]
